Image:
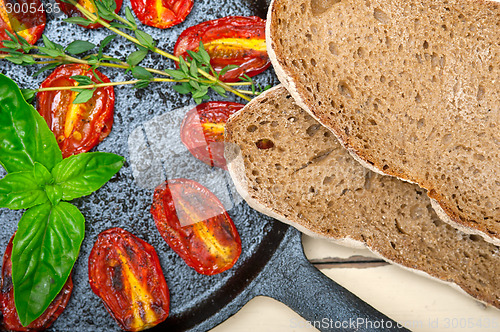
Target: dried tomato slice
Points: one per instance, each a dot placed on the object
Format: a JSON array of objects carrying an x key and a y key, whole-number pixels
[
  {"x": 194, "y": 223},
  {"x": 28, "y": 25},
  {"x": 71, "y": 10},
  {"x": 202, "y": 131},
  {"x": 77, "y": 127},
  {"x": 232, "y": 40},
  {"x": 10, "y": 318},
  {"x": 161, "y": 13},
  {"x": 125, "y": 272}
]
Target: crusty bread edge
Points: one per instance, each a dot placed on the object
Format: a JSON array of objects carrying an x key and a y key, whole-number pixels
[
  {"x": 286, "y": 79},
  {"x": 236, "y": 170}
]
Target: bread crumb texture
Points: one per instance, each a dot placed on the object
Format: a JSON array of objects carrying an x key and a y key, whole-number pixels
[
  {"x": 311, "y": 180},
  {"x": 411, "y": 87}
]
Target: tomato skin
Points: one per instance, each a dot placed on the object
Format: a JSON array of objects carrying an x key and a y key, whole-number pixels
[
  {"x": 71, "y": 10},
  {"x": 196, "y": 226},
  {"x": 252, "y": 60},
  {"x": 10, "y": 318},
  {"x": 202, "y": 131},
  {"x": 34, "y": 21},
  {"x": 92, "y": 123},
  {"x": 125, "y": 272},
  {"x": 172, "y": 12}
]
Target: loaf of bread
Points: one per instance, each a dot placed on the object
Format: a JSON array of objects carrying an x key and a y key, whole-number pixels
[
  {"x": 410, "y": 88},
  {"x": 288, "y": 166}
]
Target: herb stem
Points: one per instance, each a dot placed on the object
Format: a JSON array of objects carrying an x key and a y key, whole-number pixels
[
  {"x": 100, "y": 85},
  {"x": 95, "y": 19}
]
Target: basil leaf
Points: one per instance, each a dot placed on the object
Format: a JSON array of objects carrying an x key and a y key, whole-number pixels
[
  {"x": 20, "y": 190},
  {"x": 54, "y": 193},
  {"x": 45, "y": 248},
  {"x": 80, "y": 175},
  {"x": 24, "y": 135},
  {"x": 79, "y": 46},
  {"x": 42, "y": 175}
]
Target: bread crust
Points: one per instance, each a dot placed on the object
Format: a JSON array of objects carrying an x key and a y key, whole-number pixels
[{"x": 444, "y": 208}]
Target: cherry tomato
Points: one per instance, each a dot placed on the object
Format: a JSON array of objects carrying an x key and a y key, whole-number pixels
[
  {"x": 232, "y": 40},
  {"x": 161, "y": 13},
  {"x": 77, "y": 127},
  {"x": 10, "y": 318},
  {"x": 195, "y": 225},
  {"x": 28, "y": 24},
  {"x": 125, "y": 272},
  {"x": 202, "y": 131},
  {"x": 71, "y": 10}
]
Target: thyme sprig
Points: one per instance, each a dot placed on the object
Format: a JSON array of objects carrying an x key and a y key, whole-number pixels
[{"x": 194, "y": 75}]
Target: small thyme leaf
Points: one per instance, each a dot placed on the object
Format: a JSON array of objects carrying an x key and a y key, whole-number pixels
[
  {"x": 183, "y": 66},
  {"x": 226, "y": 69},
  {"x": 183, "y": 88},
  {"x": 193, "y": 69},
  {"x": 145, "y": 39},
  {"x": 119, "y": 25},
  {"x": 141, "y": 84},
  {"x": 84, "y": 96},
  {"x": 136, "y": 57},
  {"x": 141, "y": 73},
  {"x": 96, "y": 76},
  {"x": 45, "y": 68},
  {"x": 83, "y": 80},
  {"x": 176, "y": 74},
  {"x": 194, "y": 84},
  {"x": 78, "y": 20},
  {"x": 105, "y": 42},
  {"x": 203, "y": 53},
  {"x": 79, "y": 46},
  {"x": 130, "y": 17},
  {"x": 195, "y": 56},
  {"x": 220, "y": 90}
]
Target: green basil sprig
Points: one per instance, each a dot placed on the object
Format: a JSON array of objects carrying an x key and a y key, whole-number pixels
[{"x": 50, "y": 232}]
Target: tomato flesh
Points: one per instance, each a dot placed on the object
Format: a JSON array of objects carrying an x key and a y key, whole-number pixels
[
  {"x": 232, "y": 40},
  {"x": 71, "y": 10},
  {"x": 161, "y": 13},
  {"x": 77, "y": 127},
  {"x": 202, "y": 131},
  {"x": 125, "y": 272},
  {"x": 29, "y": 25},
  {"x": 10, "y": 318},
  {"x": 194, "y": 223}
]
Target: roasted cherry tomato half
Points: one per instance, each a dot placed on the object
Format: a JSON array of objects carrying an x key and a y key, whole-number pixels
[
  {"x": 194, "y": 223},
  {"x": 232, "y": 40},
  {"x": 77, "y": 127},
  {"x": 26, "y": 17},
  {"x": 10, "y": 318},
  {"x": 125, "y": 272},
  {"x": 202, "y": 131},
  {"x": 71, "y": 10},
  {"x": 161, "y": 13}
]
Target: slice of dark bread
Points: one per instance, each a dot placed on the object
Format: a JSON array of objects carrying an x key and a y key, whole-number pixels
[
  {"x": 302, "y": 176},
  {"x": 411, "y": 88}
]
